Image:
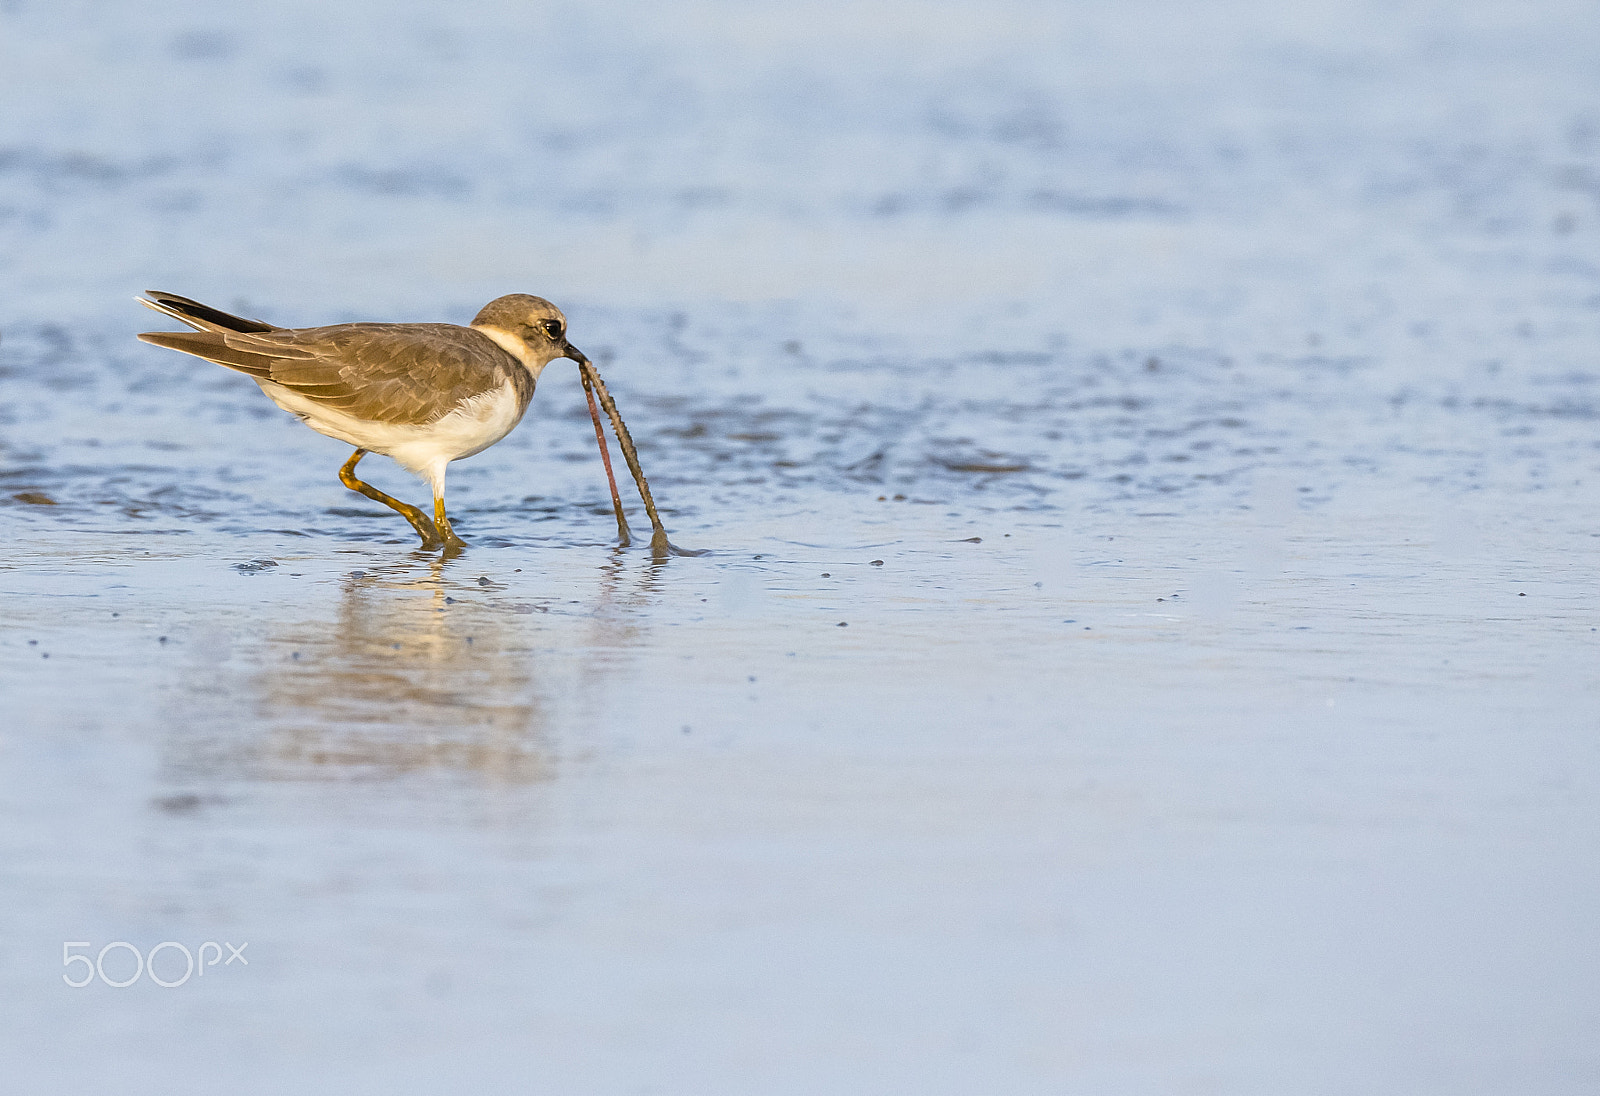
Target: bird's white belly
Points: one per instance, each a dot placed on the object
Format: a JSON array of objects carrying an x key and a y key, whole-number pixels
[{"x": 423, "y": 449}]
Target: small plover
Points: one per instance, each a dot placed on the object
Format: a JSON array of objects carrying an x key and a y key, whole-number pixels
[{"x": 424, "y": 394}]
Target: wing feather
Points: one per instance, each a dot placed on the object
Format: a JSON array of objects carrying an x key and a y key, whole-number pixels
[
  {"x": 209, "y": 345},
  {"x": 201, "y": 317},
  {"x": 391, "y": 373}
]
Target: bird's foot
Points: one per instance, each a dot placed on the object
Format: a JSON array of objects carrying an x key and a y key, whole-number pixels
[{"x": 447, "y": 536}]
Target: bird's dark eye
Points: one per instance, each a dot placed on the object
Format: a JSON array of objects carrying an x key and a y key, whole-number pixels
[{"x": 552, "y": 328}]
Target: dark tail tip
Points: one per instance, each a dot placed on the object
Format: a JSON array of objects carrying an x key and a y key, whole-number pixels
[{"x": 206, "y": 314}]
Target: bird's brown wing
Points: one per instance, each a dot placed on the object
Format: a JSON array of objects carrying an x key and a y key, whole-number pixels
[{"x": 409, "y": 373}]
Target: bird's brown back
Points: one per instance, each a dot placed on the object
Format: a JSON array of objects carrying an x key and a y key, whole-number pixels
[{"x": 398, "y": 373}]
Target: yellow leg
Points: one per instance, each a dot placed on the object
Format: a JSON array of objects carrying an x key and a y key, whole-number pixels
[
  {"x": 442, "y": 523},
  {"x": 419, "y": 521}
]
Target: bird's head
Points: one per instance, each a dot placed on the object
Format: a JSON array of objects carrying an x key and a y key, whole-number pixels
[{"x": 529, "y": 328}]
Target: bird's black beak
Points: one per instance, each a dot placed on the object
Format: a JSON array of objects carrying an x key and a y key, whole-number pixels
[{"x": 570, "y": 351}]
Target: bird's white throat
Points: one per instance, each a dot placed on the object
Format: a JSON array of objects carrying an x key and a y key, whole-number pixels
[{"x": 516, "y": 347}]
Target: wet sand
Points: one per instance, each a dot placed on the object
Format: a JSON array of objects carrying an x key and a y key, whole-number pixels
[{"x": 1147, "y": 641}]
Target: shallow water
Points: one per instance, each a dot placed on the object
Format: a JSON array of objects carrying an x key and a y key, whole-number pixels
[{"x": 1147, "y": 641}]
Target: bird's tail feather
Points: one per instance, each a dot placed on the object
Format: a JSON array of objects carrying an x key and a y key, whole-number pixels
[{"x": 199, "y": 316}]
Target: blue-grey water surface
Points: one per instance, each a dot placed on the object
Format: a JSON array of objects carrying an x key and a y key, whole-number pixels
[{"x": 1149, "y": 459}]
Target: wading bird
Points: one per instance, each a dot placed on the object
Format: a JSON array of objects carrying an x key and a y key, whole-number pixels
[{"x": 424, "y": 394}]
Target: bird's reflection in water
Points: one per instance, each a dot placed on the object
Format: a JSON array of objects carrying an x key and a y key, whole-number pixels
[{"x": 419, "y": 669}]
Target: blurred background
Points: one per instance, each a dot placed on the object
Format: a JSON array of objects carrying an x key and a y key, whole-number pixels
[{"x": 1148, "y": 455}]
